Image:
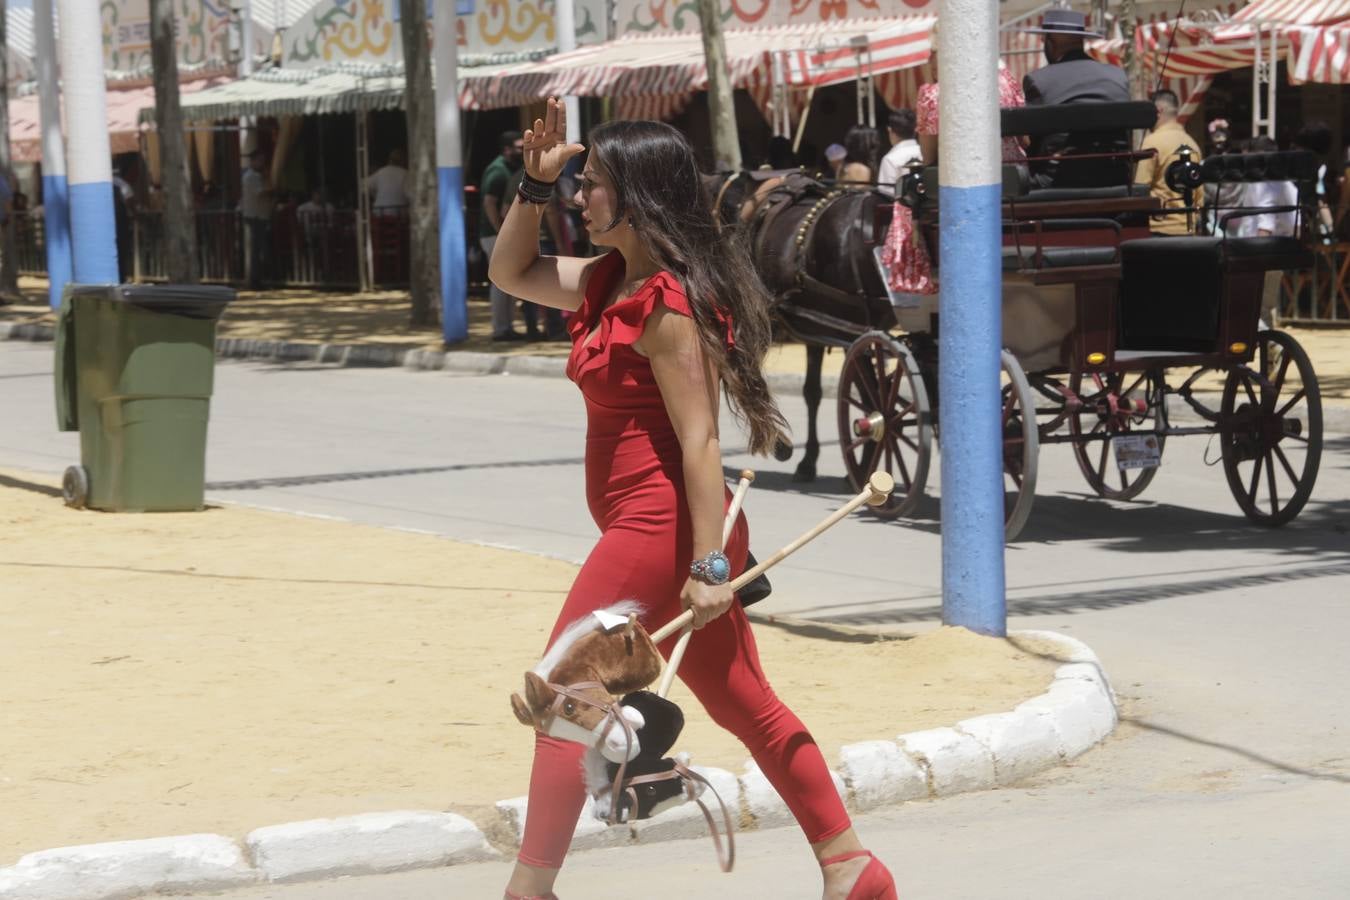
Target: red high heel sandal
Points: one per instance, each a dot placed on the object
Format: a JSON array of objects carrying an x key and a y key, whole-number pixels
[{"x": 875, "y": 881}]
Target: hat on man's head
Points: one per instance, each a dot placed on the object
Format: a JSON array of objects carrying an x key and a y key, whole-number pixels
[
  {"x": 1062, "y": 21},
  {"x": 835, "y": 151}
]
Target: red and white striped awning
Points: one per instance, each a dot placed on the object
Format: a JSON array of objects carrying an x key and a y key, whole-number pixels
[
  {"x": 1320, "y": 55},
  {"x": 902, "y": 44},
  {"x": 656, "y": 74},
  {"x": 1294, "y": 12}
]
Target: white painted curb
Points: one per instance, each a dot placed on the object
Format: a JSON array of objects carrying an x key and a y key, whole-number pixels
[
  {"x": 365, "y": 845},
  {"x": 193, "y": 862},
  {"x": 1075, "y": 714}
]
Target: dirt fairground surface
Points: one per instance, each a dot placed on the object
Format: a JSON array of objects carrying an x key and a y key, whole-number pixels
[{"x": 215, "y": 672}]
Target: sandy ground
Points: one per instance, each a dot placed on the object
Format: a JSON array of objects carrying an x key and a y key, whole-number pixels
[{"x": 218, "y": 671}]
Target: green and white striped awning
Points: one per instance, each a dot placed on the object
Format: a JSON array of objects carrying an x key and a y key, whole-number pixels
[{"x": 296, "y": 92}]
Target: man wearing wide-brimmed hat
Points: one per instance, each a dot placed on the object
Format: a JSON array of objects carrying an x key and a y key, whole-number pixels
[{"x": 1073, "y": 77}]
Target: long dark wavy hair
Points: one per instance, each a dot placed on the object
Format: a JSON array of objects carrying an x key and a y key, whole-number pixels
[{"x": 658, "y": 187}]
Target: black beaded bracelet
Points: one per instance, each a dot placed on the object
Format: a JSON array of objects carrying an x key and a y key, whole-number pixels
[{"x": 532, "y": 190}]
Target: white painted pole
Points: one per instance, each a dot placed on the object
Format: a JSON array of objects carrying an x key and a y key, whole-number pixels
[
  {"x": 89, "y": 159},
  {"x": 55, "y": 192},
  {"x": 565, "y": 23},
  {"x": 970, "y": 194},
  {"x": 244, "y": 10},
  {"x": 450, "y": 175}
]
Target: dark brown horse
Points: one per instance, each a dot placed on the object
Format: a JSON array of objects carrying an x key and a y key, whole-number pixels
[{"x": 812, "y": 242}]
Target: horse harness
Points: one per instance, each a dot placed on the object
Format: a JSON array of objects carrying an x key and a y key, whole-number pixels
[
  {"x": 786, "y": 196},
  {"x": 622, "y": 786}
]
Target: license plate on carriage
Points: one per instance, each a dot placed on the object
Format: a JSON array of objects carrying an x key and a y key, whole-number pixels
[{"x": 1137, "y": 451}]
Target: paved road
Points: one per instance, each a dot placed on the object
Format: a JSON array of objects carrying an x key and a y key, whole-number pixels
[{"x": 1230, "y": 776}]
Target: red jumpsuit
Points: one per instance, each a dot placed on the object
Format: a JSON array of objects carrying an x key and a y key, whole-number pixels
[{"x": 634, "y": 486}]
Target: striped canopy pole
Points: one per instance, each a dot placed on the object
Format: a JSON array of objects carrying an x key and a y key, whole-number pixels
[
  {"x": 55, "y": 194},
  {"x": 970, "y": 176},
  {"x": 89, "y": 158},
  {"x": 450, "y": 176}
]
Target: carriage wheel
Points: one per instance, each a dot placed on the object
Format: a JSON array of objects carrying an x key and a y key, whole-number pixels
[
  {"x": 1115, "y": 404},
  {"x": 1021, "y": 447},
  {"x": 884, "y": 421},
  {"x": 1270, "y": 424}
]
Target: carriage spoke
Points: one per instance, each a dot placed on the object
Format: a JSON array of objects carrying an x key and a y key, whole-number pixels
[
  {"x": 894, "y": 393},
  {"x": 869, "y": 389},
  {"x": 1133, "y": 385},
  {"x": 857, "y": 442},
  {"x": 1288, "y": 469},
  {"x": 870, "y": 456},
  {"x": 1124, "y": 479},
  {"x": 1302, "y": 392},
  {"x": 904, "y": 469},
  {"x": 913, "y": 446},
  {"x": 902, "y": 412},
  {"x": 1270, "y": 484},
  {"x": 1251, "y": 394},
  {"x": 1101, "y": 464},
  {"x": 1278, "y": 382},
  {"x": 883, "y": 380},
  {"x": 1256, "y": 480}
]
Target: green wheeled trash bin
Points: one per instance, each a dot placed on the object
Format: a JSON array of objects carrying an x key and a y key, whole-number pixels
[{"x": 134, "y": 371}]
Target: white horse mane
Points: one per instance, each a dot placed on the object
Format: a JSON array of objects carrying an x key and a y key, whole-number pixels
[{"x": 574, "y": 632}]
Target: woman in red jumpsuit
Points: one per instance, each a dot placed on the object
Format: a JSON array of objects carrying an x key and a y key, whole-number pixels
[{"x": 671, "y": 314}]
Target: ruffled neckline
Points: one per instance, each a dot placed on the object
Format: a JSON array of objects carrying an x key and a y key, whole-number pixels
[{"x": 621, "y": 324}]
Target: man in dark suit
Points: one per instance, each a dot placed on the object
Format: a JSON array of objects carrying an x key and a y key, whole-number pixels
[{"x": 1073, "y": 77}]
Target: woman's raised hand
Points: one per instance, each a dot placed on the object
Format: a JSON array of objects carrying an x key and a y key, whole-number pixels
[{"x": 546, "y": 147}]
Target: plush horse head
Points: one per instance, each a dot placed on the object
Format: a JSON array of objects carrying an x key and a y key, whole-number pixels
[{"x": 571, "y": 693}]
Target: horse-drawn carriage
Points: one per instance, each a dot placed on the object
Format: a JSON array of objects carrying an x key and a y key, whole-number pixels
[{"x": 1101, "y": 322}]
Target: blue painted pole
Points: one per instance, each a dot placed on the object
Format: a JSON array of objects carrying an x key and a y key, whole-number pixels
[
  {"x": 93, "y": 228},
  {"x": 970, "y": 335},
  {"x": 55, "y": 195},
  {"x": 450, "y": 176}
]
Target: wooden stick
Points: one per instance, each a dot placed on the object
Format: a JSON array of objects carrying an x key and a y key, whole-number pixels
[
  {"x": 879, "y": 487},
  {"x": 677, "y": 655}
]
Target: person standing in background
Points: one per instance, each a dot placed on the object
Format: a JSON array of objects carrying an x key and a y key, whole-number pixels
[
  {"x": 904, "y": 151},
  {"x": 834, "y": 159},
  {"x": 493, "y": 194},
  {"x": 255, "y": 206},
  {"x": 551, "y": 243},
  {"x": 1166, "y": 140},
  {"x": 389, "y": 184},
  {"x": 863, "y": 146}
]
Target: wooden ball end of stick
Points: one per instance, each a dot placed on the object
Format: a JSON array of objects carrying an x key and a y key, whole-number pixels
[
  {"x": 747, "y": 475},
  {"x": 881, "y": 485}
]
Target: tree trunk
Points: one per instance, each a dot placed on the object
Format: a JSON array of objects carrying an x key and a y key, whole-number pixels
[
  {"x": 721, "y": 105},
  {"x": 9, "y": 257},
  {"x": 180, "y": 220},
  {"x": 419, "y": 100}
]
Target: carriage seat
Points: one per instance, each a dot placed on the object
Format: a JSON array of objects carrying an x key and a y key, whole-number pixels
[
  {"x": 1267, "y": 253},
  {"x": 1039, "y": 121},
  {"x": 1017, "y": 259},
  {"x": 1285, "y": 165},
  {"x": 1171, "y": 292},
  {"x": 1111, "y": 192}
]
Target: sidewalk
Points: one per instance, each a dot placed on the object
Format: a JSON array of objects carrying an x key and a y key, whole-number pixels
[{"x": 372, "y": 329}]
